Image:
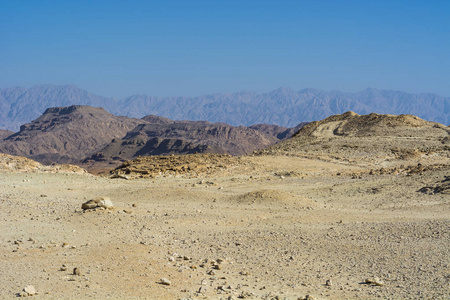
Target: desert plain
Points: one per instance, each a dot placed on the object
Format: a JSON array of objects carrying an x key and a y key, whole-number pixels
[{"x": 311, "y": 224}]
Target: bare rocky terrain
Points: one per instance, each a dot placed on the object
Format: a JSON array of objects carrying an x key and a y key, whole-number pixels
[
  {"x": 93, "y": 138},
  {"x": 308, "y": 218},
  {"x": 67, "y": 134},
  {"x": 188, "y": 137},
  {"x": 5, "y": 133}
]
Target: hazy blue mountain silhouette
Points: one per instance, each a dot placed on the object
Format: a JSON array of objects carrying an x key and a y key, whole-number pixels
[{"x": 283, "y": 106}]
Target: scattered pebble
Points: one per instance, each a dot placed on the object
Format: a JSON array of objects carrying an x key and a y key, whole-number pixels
[
  {"x": 165, "y": 281},
  {"x": 375, "y": 281}
]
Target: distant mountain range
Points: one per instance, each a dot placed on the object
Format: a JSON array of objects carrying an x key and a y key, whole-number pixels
[{"x": 284, "y": 106}]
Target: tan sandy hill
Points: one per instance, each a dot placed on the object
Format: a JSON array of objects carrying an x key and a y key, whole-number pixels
[
  {"x": 67, "y": 134},
  {"x": 174, "y": 165},
  {"x": 18, "y": 164},
  {"x": 369, "y": 139}
]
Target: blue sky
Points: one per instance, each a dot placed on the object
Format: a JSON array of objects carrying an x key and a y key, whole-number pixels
[{"x": 188, "y": 48}]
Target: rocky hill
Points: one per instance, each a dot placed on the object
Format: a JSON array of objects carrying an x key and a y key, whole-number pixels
[
  {"x": 18, "y": 164},
  {"x": 279, "y": 132},
  {"x": 369, "y": 139},
  {"x": 67, "y": 134},
  {"x": 70, "y": 134},
  {"x": 162, "y": 136},
  {"x": 5, "y": 133},
  {"x": 284, "y": 106}
]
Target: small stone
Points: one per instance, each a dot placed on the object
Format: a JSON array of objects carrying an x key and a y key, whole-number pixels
[
  {"x": 328, "y": 282},
  {"x": 379, "y": 283},
  {"x": 30, "y": 290},
  {"x": 165, "y": 281},
  {"x": 76, "y": 271},
  {"x": 105, "y": 202},
  {"x": 375, "y": 281},
  {"x": 91, "y": 204},
  {"x": 101, "y": 202}
]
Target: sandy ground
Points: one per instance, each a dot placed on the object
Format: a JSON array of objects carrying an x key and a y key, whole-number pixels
[{"x": 278, "y": 228}]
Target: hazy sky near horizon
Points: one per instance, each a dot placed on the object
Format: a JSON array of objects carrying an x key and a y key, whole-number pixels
[{"x": 188, "y": 48}]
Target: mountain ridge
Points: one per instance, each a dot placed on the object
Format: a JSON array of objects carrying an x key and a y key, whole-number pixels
[
  {"x": 283, "y": 106},
  {"x": 85, "y": 134},
  {"x": 65, "y": 134}
]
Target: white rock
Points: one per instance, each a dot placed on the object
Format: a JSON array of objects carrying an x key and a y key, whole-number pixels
[
  {"x": 30, "y": 290},
  {"x": 106, "y": 203},
  {"x": 165, "y": 281}
]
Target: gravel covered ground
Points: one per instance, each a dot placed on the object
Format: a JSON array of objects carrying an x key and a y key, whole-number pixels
[{"x": 281, "y": 227}]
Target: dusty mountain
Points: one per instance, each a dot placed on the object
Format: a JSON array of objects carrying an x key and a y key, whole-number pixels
[
  {"x": 157, "y": 120},
  {"x": 162, "y": 136},
  {"x": 67, "y": 134},
  {"x": 5, "y": 133},
  {"x": 20, "y": 105},
  {"x": 284, "y": 106},
  {"x": 279, "y": 132},
  {"x": 70, "y": 134},
  {"x": 375, "y": 139}
]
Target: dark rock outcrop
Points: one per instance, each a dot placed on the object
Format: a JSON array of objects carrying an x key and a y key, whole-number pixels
[{"x": 164, "y": 137}]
